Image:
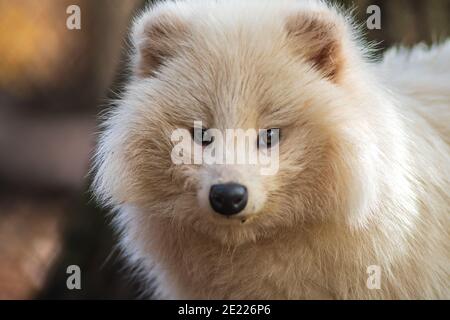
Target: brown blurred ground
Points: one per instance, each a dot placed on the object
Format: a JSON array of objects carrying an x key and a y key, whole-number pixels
[{"x": 53, "y": 84}]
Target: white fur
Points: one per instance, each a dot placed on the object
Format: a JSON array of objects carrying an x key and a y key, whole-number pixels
[{"x": 390, "y": 206}]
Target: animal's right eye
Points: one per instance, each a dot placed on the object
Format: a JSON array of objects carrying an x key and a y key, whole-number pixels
[
  {"x": 201, "y": 136},
  {"x": 268, "y": 138}
]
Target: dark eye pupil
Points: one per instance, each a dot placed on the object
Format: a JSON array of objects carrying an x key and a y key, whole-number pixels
[
  {"x": 266, "y": 137},
  {"x": 269, "y": 138},
  {"x": 202, "y": 137}
]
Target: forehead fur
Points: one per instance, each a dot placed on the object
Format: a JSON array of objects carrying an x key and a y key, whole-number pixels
[{"x": 236, "y": 61}]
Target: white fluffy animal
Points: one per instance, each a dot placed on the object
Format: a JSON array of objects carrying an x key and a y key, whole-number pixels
[{"x": 364, "y": 173}]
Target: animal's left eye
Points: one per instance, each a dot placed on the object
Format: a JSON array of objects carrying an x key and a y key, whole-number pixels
[
  {"x": 202, "y": 137},
  {"x": 268, "y": 138}
]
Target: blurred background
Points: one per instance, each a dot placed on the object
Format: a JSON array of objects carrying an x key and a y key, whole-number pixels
[{"x": 54, "y": 82}]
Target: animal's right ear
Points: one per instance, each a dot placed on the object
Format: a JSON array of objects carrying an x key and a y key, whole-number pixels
[{"x": 155, "y": 37}]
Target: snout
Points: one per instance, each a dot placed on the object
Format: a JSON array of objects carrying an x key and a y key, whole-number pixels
[{"x": 228, "y": 199}]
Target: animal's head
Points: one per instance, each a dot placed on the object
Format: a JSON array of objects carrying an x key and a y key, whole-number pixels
[{"x": 276, "y": 65}]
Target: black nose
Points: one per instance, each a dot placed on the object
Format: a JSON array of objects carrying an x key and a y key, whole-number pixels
[{"x": 228, "y": 199}]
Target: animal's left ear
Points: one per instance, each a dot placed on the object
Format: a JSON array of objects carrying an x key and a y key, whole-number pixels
[{"x": 319, "y": 37}]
